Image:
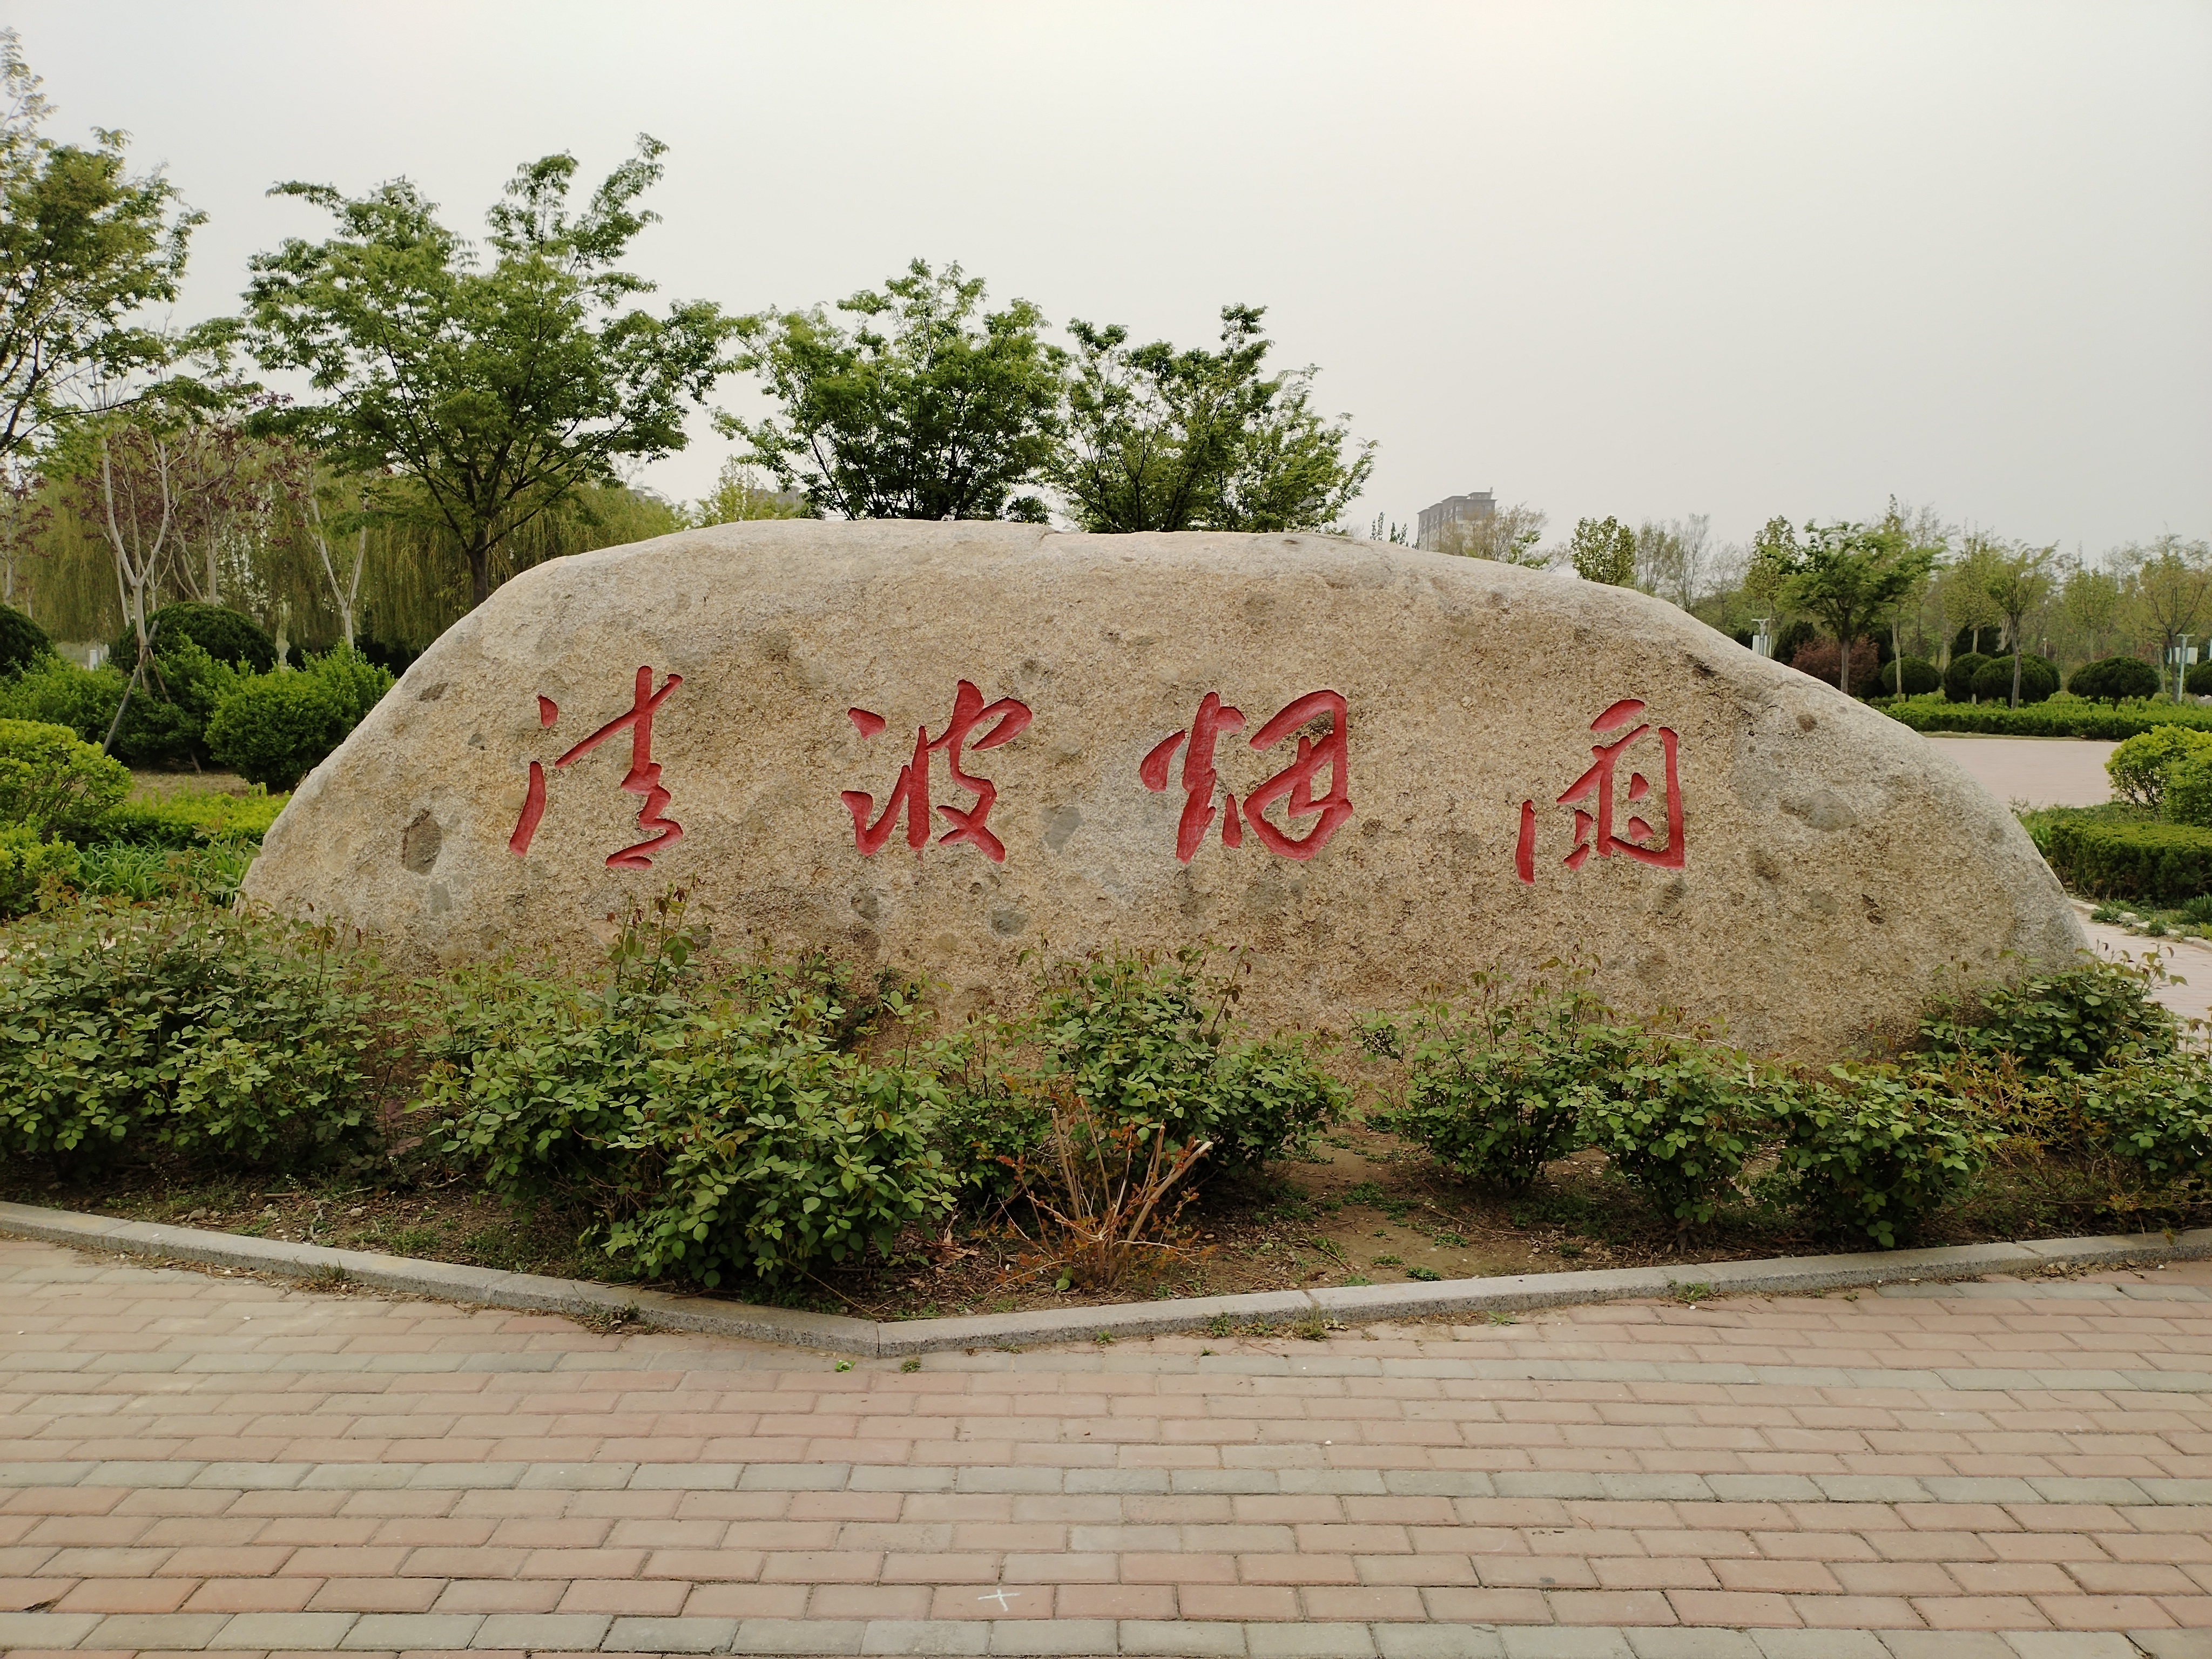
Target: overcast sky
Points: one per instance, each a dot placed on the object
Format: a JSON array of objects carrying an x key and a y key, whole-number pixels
[{"x": 1643, "y": 258}]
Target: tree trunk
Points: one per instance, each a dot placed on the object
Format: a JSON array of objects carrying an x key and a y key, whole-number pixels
[
  {"x": 479, "y": 555},
  {"x": 2015, "y": 670}
]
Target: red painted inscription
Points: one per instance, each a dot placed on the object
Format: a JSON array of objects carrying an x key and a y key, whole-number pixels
[
  {"x": 910, "y": 794},
  {"x": 1594, "y": 796},
  {"x": 1294, "y": 785},
  {"x": 643, "y": 777}
]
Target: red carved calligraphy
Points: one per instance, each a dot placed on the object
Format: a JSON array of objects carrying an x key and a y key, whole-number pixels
[
  {"x": 1594, "y": 797},
  {"x": 1328, "y": 751},
  {"x": 910, "y": 796},
  {"x": 643, "y": 777}
]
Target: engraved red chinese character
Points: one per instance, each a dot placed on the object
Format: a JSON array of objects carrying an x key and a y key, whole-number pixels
[
  {"x": 643, "y": 777},
  {"x": 910, "y": 794},
  {"x": 1293, "y": 784},
  {"x": 1593, "y": 821}
]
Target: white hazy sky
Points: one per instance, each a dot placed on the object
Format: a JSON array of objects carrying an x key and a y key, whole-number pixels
[{"x": 1645, "y": 259}]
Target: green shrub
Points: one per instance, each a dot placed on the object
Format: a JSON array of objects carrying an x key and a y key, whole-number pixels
[
  {"x": 273, "y": 730},
  {"x": 2078, "y": 1020},
  {"x": 354, "y": 683},
  {"x": 2189, "y": 788},
  {"x": 1134, "y": 1036},
  {"x": 712, "y": 1120},
  {"x": 2114, "y": 680},
  {"x": 2161, "y": 863},
  {"x": 1959, "y": 678},
  {"x": 2157, "y": 1114},
  {"x": 23, "y": 643},
  {"x": 1920, "y": 676},
  {"x": 1869, "y": 1152},
  {"x": 121, "y": 870},
  {"x": 30, "y": 864},
  {"x": 1992, "y": 682},
  {"x": 1497, "y": 1092},
  {"x": 2138, "y": 768},
  {"x": 231, "y": 637},
  {"x": 1678, "y": 1119},
  {"x": 166, "y": 721},
  {"x": 187, "y": 1031},
  {"x": 2060, "y": 717},
  {"x": 2198, "y": 683},
  {"x": 59, "y": 693},
  {"x": 52, "y": 779},
  {"x": 192, "y": 817}
]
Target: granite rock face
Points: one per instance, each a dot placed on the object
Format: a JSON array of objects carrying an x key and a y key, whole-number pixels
[{"x": 1373, "y": 770}]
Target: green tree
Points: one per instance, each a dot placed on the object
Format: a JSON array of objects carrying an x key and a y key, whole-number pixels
[
  {"x": 84, "y": 245},
  {"x": 498, "y": 390},
  {"x": 1847, "y": 574},
  {"x": 1603, "y": 550},
  {"x": 1509, "y": 536},
  {"x": 2173, "y": 594},
  {"x": 1157, "y": 439},
  {"x": 741, "y": 493},
  {"x": 1926, "y": 538},
  {"x": 2090, "y": 600},
  {"x": 922, "y": 409},
  {"x": 2018, "y": 582}
]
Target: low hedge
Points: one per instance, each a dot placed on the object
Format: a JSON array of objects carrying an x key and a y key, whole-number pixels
[
  {"x": 189, "y": 819},
  {"x": 2061, "y": 717},
  {"x": 2161, "y": 863}
]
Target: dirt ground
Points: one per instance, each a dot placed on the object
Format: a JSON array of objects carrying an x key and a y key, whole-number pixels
[{"x": 146, "y": 782}]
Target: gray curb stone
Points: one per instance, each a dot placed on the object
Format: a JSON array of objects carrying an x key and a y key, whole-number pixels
[{"x": 1351, "y": 1304}]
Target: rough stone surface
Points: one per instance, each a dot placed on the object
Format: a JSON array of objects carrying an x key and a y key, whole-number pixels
[{"x": 1831, "y": 860}]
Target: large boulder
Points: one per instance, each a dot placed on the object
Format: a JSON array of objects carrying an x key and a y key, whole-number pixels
[{"x": 951, "y": 748}]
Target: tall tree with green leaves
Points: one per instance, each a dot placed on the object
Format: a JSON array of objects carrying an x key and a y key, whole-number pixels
[
  {"x": 1603, "y": 550},
  {"x": 1926, "y": 538},
  {"x": 1844, "y": 575},
  {"x": 499, "y": 387},
  {"x": 2172, "y": 594},
  {"x": 84, "y": 246},
  {"x": 925, "y": 407},
  {"x": 1158, "y": 439},
  {"x": 2018, "y": 582}
]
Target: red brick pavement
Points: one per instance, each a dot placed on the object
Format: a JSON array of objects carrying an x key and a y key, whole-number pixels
[{"x": 197, "y": 1462}]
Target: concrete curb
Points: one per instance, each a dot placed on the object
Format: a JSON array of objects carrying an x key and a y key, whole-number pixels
[{"x": 1350, "y": 1304}]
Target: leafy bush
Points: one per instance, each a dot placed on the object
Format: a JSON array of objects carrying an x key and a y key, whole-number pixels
[
  {"x": 2114, "y": 680},
  {"x": 2163, "y": 863},
  {"x": 2157, "y": 1114},
  {"x": 2138, "y": 767},
  {"x": 1959, "y": 678},
  {"x": 1678, "y": 1119},
  {"x": 1870, "y": 1153},
  {"x": 135, "y": 1033},
  {"x": 2060, "y": 717},
  {"x": 191, "y": 817},
  {"x": 274, "y": 729},
  {"x": 2038, "y": 680},
  {"x": 1497, "y": 1093},
  {"x": 1823, "y": 661},
  {"x": 166, "y": 721},
  {"x": 1133, "y": 1035},
  {"x": 28, "y": 864},
  {"x": 2189, "y": 788},
  {"x": 712, "y": 1121},
  {"x": 52, "y": 779},
  {"x": 23, "y": 643},
  {"x": 230, "y": 637},
  {"x": 1920, "y": 676},
  {"x": 2197, "y": 682},
  {"x": 58, "y": 692},
  {"x": 2077, "y": 1020},
  {"x": 119, "y": 870}
]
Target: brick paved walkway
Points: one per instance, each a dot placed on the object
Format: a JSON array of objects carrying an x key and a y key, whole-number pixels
[{"x": 1990, "y": 1471}]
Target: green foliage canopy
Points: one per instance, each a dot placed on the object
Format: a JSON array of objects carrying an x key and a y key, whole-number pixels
[
  {"x": 1603, "y": 550},
  {"x": 497, "y": 390}
]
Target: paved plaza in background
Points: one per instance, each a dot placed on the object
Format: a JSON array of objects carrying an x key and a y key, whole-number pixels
[
  {"x": 2033, "y": 771},
  {"x": 1994, "y": 1470}
]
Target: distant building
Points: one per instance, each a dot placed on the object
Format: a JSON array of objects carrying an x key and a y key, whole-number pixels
[{"x": 1452, "y": 510}]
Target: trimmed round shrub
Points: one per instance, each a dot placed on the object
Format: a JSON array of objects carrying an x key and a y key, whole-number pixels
[
  {"x": 1823, "y": 661},
  {"x": 2199, "y": 681},
  {"x": 1959, "y": 678},
  {"x": 2138, "y": 766},
  {"x": 22, "y": 641},
  {"x": 1972, "y": 640},
  {"x": 54, "y": 780},
  {"x": 273, "y": 729},
  {"x": 229, "y": 636},
  {"x": 2114, "y": 679},
  {"x": 1920, "y": 677},
  {"x": 2189, "y": 788},
  {"x": 1992, "y": 681},
  {"x": 26, "y": 860},
  {"x": 1793, "y": 638}
]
